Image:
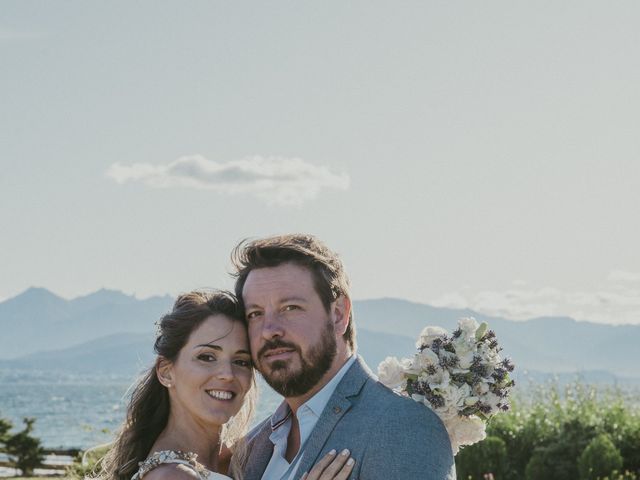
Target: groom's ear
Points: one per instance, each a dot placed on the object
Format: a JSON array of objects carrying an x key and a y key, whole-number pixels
[
  {"x": 164, "y": 371},
  {"x": 341, "y": 312}
]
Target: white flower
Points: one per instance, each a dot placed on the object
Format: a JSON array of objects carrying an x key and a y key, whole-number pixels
[
  {"x": 447, "y": 358},
  {"x": 469, "y": 401},
  {"x": 463, "y": 392},
  {"x": 418, "y": 398},
  {"x": 465, "y": 347},
  {"x": 465, "y": 359},
  {"x": 429, "y": 334},
  {"x": 407, "y": 365},
  {"x": 412, "y": 365},
  {"x": 468, "y": 325},
  {"x": 446, "y": 412},
  {"x": 391, "y": 372},
  {"x": 452, "y": 394},
  {"x": 439, "y": 380},
  {"x": 446, "y": 373},
  {"x": 492, "y": 400},
  {"x": 465, "y": 431},
  {"x": 464, "y": 343},
  {"x": 481, "y": 388},
  {"x": 488, "y": 354},
  {"x": 427, "y": 358}
]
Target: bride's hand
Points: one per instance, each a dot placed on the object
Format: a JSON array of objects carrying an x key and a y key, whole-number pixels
[{"x": 331, "y": 467}]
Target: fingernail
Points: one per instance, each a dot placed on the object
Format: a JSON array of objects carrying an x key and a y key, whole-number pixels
[
  {"x": 345, "y": 452},
  {"x": 351, "y": 461},
  {"x": 332, "y": 452}
]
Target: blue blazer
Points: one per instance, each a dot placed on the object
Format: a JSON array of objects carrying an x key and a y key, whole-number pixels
[{"x": 389, "y": 436}]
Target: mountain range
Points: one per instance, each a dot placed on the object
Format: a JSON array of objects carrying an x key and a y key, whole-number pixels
[{"x": 108, "y": 331}]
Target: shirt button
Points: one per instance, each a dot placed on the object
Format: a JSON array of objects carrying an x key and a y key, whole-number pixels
[{"x": 337, "y": 409}]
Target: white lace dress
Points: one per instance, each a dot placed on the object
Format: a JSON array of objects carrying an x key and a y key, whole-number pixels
[{"x": 183, "y": 458}]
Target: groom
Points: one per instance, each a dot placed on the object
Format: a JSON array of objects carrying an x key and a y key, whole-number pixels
[{"x": 295, "y": 293}]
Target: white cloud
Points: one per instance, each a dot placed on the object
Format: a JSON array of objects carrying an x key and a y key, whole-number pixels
[
  {"x": 616, "y": 304},
  {"x": 450, "y": 300},
  {"x": 277, "y": 180},
  {"x": 623, "y": 276}
]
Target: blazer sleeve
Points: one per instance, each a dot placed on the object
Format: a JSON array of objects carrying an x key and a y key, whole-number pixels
[{"x": 408, "y": 443}]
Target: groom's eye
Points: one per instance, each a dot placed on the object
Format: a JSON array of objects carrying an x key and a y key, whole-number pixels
[
  {"x": 252, "y": 315},
  {"x": 289, "y": 308}
]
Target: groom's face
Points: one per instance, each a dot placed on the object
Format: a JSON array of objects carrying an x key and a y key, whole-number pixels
[{"x": 292, "y": 336}]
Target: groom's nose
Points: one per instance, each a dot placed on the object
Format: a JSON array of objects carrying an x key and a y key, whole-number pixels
[{"x": 272, "y": 326}]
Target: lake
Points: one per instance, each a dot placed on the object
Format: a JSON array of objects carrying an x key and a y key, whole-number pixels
[
  {"x": 78, "y": 411},
  {"x": 81, "y": 411}
]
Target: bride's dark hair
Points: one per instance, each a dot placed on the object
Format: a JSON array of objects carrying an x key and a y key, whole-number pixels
[{"x": 149, "y": 406}]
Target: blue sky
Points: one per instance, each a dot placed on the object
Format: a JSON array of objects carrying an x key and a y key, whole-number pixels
[{"x": 454, "y": 153}]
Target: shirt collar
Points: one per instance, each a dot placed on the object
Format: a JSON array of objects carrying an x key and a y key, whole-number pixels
[
  {"x": 316, "y": 403},
  {"x": 280, "y": 416}
]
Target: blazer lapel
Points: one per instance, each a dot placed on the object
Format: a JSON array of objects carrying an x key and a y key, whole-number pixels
[
  {"x": 338, "y": 405},
  {"x": 260, "y": 451}
]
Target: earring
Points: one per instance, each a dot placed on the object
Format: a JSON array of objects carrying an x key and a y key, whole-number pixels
[{"x": 168, "y": 385}]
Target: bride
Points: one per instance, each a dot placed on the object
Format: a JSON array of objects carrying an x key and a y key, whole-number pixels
[{"x": 188, "y": 414}]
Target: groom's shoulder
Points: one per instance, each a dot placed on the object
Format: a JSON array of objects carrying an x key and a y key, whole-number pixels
[
  {"x": 381, "y": 405},
  {"x": 392, "y": 407},
  {"x": 381, "y": 395},
  {"x": 405, "y": 429}
]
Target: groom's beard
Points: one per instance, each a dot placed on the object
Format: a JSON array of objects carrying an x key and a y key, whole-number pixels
[{"x": 293, "y": 383}]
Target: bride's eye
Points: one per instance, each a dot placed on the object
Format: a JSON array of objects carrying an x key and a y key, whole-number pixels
[
  {"x": 244, "y": 363},
  {"x": 206, "y": 357}
]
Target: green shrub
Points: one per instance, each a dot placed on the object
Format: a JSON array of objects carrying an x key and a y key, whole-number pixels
[
  {"x": 87, "y": 464},
  {"x": 622, "y": 423},
  {"x": 522, "y": 429},
  {"x": 25, "y": 449},
  {"x": 628, "y": 442},
  {"x": 599, "y": 458},
  {"x": 549, "y": 427},
  {"x": 488, "y": 456},
  {"x": 556, "y": 461},
  {"x": 538, "y": 466},
  {"x": 5, "y": 426},
  {"x": 626, "y": 475}
]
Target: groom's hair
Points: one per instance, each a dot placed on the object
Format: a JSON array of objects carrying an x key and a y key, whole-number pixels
[{"x": 329, "y": 276}]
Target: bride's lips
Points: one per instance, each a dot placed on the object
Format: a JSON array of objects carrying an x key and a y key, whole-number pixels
[{"x": 222, "y": 395}]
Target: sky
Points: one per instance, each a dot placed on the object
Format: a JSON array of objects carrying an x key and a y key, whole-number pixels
[{"x": 456, "y": 153}]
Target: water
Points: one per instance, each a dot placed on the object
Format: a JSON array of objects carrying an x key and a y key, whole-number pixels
[
  {"x": 81, "y": 411},
  {"x": 77, "y": 411}
]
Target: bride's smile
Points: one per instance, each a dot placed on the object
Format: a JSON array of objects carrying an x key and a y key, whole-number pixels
[{"x": 212, "y": 373}]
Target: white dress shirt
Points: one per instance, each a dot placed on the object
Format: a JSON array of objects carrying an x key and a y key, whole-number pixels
[{"x": 307, "y": 415}]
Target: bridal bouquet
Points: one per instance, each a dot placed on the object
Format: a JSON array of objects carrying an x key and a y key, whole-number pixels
[{"x": 460, "y": 376}]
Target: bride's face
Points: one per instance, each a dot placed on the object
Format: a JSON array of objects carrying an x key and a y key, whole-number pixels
[{"x": 212, "y": 372}]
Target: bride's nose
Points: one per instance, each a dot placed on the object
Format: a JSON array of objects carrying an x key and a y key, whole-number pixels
[{"x": 224, "y": 371}]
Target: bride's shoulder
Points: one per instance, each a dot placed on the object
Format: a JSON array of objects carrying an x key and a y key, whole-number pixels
[
  {"x": 168, "y": 471},
  {"x": 168, "y": 464}
]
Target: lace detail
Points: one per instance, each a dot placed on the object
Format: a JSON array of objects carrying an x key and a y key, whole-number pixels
[{"x": 174, "y": 456}]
